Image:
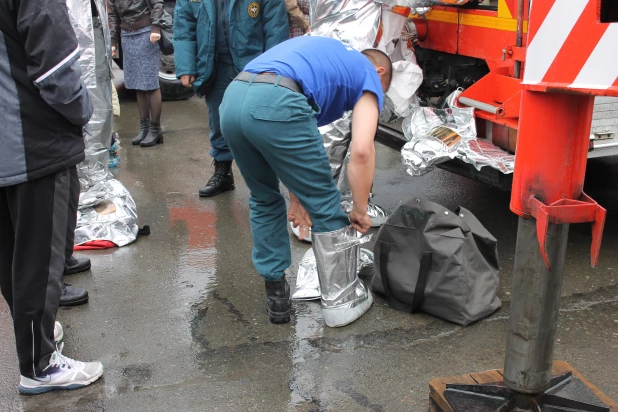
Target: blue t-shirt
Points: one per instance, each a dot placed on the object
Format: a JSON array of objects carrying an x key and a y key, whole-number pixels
[{"x": 331, "y": 75}]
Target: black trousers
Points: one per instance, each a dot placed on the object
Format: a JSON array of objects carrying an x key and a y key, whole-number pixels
[{"x": 37, "y": 218}]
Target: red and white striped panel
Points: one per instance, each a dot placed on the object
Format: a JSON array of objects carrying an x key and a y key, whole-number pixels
[{"x": 568, "y": 48}]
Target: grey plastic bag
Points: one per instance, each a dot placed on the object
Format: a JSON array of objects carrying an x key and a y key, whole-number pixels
[{"x": 443, "y": 263}]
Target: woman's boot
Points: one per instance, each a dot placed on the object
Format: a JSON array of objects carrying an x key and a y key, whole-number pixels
[
  {"x": 344, "y": 297},
  {"x": 155, "y": 135},
  {"x": 144, "y": 126}
]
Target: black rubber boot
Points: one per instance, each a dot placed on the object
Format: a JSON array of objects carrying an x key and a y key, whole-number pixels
[
  {"x": 76, "y": 265},
  {"x": 155, "y": 135},
  {"x": 144, "y": 126},
  {"x": 221, "y": 181},
  {"x": 72, "y": 296},
  {"x": 278, "y": 303}
]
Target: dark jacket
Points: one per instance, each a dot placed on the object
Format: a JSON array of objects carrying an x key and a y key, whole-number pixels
[
  {"x": 255, "y": 26},
  {"x": 132, "y": 15},
  {"x": 44, "y": 102}
]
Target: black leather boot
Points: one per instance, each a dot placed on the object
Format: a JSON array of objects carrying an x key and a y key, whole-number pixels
[
  {"x": 72, "y": 296},
  {"x": 278, "y": 303},
  {"x": 144, "y": 126},
  {"x": 76, "y": 265},
  {"x": 155, "y": 135},
  {"x": 221, "y": 181}
]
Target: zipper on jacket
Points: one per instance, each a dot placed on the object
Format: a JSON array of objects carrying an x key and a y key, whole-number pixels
[{"x": 227, "y": 41}]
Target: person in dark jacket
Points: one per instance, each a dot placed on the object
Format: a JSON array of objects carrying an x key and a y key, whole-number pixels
[
  {"x": 137, "y": 25},
  {"x": 43, "y": 108},
  {"x": 213, "y": 41}
]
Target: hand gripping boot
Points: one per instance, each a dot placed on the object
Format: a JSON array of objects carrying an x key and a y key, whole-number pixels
[
  {"x": 344, "y": 297},
  {"x": 278, "y": 303}
]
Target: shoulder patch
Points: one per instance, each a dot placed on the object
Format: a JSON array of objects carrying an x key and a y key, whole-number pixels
[{"x": 253, "y": 9}]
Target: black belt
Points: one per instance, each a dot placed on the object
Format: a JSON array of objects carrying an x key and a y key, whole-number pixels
[{"x": 269, "y": 78}]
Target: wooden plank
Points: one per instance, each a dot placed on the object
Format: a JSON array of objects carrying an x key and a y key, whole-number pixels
[
  {"x": 438, "y": 403},
  {"x": 433, "y": 406},
  {"x": 563, "y": 366},
  {"x": 560, "y": 367},
  {"x": 487, "y": 376},
  {"x": 438, "y": 385}
]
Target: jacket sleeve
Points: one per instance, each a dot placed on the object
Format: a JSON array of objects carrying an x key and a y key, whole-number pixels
[
  {"x": 185, "y": 42},
  {"x": 156, "y": 15},
  {"x": 52, "y": 57},
  {"x": 296, "y": 14},
  {"x": 114, "y": 23},
  {"x": 276, "y": 26}
]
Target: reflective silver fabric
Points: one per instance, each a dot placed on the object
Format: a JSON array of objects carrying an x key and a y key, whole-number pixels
[
  {"x": 307, "y": 281},
  {"x": 365, "y": 261},
  {"x": 106, "y": 209},
  {"x": 425, "y": 150},
  {"x": 481, "y": 152},
  {"x": 336, "y": 256},
  {"x": 106, "y": 212},
  {"x": 337, "y": 141},
  {"x": 354, "y": 22}
]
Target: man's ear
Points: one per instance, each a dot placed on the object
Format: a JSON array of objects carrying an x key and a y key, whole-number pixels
[{"x": 380, "y": 70}]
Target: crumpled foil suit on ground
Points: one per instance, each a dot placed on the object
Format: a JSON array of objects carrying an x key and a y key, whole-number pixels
[
  {"x": 436, "y": 136},
  {"x": 106, "y": 212},
  {"x": 481, "y": 152},
  {"x": 106, "y": 209},
  {"x": 308, "y": 282},
  {"x": 422, "y": 120}
]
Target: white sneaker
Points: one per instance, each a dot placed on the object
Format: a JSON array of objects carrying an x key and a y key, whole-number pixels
[
  {"x": 63, "y": 373},
  {"x": 58, "y": 333}
]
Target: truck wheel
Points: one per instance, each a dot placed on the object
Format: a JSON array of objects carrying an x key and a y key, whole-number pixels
[{"x": 171, "y": 87}]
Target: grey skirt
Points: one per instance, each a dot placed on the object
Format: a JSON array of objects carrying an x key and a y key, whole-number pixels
[{"x": 140, "y": 60}]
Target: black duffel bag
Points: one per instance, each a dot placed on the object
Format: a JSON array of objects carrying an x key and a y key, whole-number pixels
[{"x": 443, "y": 263}]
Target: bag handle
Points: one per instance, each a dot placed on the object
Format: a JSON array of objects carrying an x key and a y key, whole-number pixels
[{"x": 421, "y": 281}]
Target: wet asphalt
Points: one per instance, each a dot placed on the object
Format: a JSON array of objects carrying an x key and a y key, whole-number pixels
[{"x": 178, "y": 317}]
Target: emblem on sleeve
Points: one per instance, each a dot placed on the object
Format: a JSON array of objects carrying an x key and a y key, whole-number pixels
[{"x": 253, "y": 9}]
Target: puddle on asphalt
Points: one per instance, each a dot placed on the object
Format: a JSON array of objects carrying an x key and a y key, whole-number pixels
[
  {"x": 197, "y": 258},
  {"x": 309, "y": 327}
]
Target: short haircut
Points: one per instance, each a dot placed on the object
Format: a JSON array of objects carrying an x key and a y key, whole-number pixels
[{"x": 381, "y": 59}]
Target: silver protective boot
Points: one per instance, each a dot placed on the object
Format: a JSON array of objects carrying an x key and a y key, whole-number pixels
[
  {"x": 308, "y": 281},
  {"x": 344, "y": 297}
]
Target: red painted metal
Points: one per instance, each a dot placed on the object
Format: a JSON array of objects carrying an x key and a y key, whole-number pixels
[
  {"x": 500, "y": 90},
  {"x": 422, "y": 25},
  {"x": 550, "y": 113},
  {"x": 552, "y": 148},
  {"x": 554, "y": 128},
  {"x": 569, "y": 211},
  {"x": 440, "y": 36}
]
